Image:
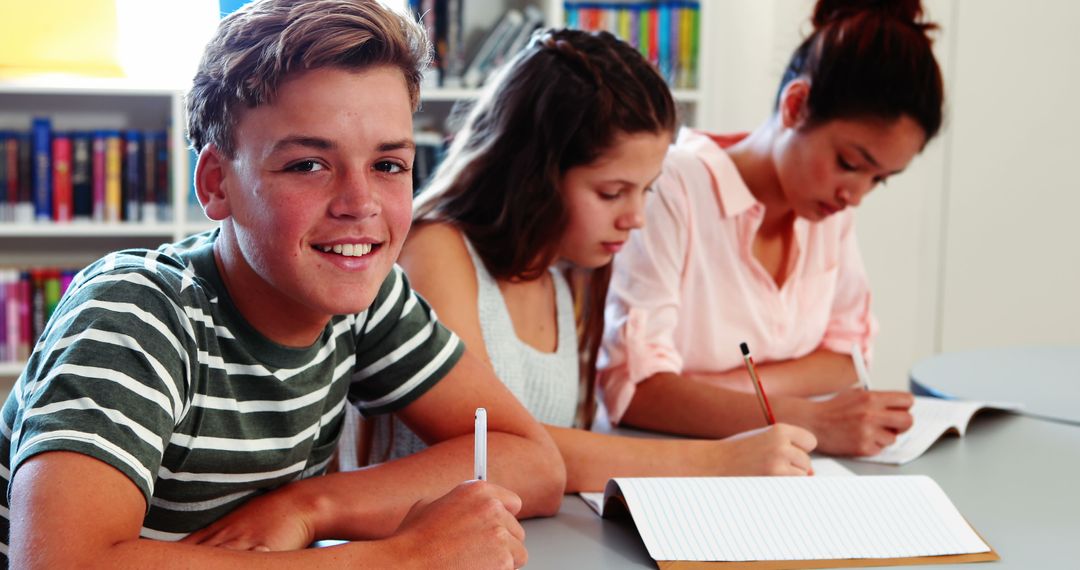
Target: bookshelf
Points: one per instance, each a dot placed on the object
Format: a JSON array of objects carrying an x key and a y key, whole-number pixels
[
  {"x": 78, "y": 104},
  {"x": 481, "y": 17}
]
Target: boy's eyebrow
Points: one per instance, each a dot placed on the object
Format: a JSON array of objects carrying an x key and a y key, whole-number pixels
[
  {"x": 397, "y": 145},
  {"x": 319, "y": 143},
  {"x": 304, "y": 141}
]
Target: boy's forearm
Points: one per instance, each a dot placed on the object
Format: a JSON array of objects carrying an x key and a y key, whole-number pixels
[
  {"x": 371, "y": 502},
  {"x": 144, "y": 553}
]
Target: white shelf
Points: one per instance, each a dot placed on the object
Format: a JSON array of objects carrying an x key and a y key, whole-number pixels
[
  {"x": 87, "y": 229},
  {"x": 440, "y": 94},
  {"x": 11, "y": 369},
  {"x": 60, "y": 84},
  {"x": 687, "y": 95}
]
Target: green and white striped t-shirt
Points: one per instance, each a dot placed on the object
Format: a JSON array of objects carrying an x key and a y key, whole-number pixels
[{"x": 147, "y": 365}]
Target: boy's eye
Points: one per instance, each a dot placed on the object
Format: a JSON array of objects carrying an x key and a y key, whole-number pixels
[
  {"x": 390, "y": 167},
  {"x": 305, "y": 166}
]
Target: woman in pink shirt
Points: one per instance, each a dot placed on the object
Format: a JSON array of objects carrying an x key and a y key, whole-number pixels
[{"x": 750, "y": 238}]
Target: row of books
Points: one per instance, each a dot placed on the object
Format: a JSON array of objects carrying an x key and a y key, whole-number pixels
[
  {"x": 27, "y": 301},
  {"x": 459, "y": 65},
  {"x": 665, "y": 32},
  {"x": 102, "y": 175}
]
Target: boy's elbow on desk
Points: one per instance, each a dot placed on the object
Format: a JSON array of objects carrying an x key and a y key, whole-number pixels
[
  {"x": 549, "y": 473},
  {"x": 534, "y": 471}
]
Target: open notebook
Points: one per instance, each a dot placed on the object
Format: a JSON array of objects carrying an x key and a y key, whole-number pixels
[
  {"x": 795, "y": 522},
  {"x": 823, "y": 467},
  {"x": 934, "y": 417}
]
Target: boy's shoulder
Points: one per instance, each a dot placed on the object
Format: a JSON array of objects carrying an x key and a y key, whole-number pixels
[{"x": 172, "y": 268}]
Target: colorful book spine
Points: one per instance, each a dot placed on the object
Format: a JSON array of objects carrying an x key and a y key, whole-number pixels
[
  {"x": 623, "y": 17},
  {"x": 5, "y": 210},
  {"x": 654, "y": 36},
  {"x": 643, "y": 31},
  {"x": 97, "y": 176},
  {"x": 51, "y": 281},
  {"x": 37, "y": 303},
  {"x": 6, "y": 333},
  {"x": 695, "y": 44},
  {"x": 663, "y": 32},
  {"x": 149, "y": 163},
  {"x": 26, "y": 326},
  {"x": 674, "y": 37},
  {"x": 11, "y": 310},
  {"x": 163, "y": 173},
  {"x": 573, "y": 15},
  {"x": 132, "y": 184},
  {"x": 14, "y": 174},
  {"x": 82, "y": 176},
  {"x": 15, "y": 340},
  {"x": 24, "y": 212},
  {"x": 61, "y": 178},
  {"x": 114, "y": 157},
  {"x": 41, "y": 139}
]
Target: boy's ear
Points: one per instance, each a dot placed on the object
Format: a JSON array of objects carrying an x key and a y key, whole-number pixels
[
  {"x": 793, "y": 101},
  {"x": 210, "y": 183}
]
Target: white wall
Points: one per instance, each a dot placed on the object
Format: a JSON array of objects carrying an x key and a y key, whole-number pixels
[
  {"x": 1012, "y": 264},
  {"x": 972, "y": 245}
]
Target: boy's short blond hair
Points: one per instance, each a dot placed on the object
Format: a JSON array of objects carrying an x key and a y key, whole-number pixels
[{"x": 257, "y": 47}]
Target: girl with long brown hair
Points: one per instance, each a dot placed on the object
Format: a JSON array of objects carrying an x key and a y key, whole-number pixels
[{"x": 548, "y": 176}]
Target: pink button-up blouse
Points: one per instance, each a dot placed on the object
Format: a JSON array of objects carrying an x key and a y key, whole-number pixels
[{"x": 686, "y": 290}]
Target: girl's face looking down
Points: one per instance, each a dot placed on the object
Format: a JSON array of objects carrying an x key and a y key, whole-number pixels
[
  {"x": 824, "y": 168},
  {"x": 605, "y": 198}
]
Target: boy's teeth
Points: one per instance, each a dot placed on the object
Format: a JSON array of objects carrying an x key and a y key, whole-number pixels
[{"x": 349, "y": 249}]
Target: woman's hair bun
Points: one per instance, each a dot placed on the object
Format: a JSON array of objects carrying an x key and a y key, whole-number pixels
[{"x": 829, "y": 11}]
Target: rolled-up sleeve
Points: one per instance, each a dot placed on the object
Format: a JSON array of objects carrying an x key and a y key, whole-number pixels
[
  {"x": 851, "y": 320},
  {"x": 642, "y": 310}
]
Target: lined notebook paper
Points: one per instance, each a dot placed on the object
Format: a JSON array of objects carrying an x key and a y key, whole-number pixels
[
  {"x": 823, "y": 467},
  {"x": 794, "y": 518},
  {"x": 933, "y": 417}
]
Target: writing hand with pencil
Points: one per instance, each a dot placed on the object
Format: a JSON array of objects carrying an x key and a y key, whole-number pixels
[
  {"x": 472, "y": 526},
  {"x": 854, "y": 422},
  {"x": 780, "y": 449}
]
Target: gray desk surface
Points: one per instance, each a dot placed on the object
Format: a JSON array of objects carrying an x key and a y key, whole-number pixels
[
  {"x": 1013, "y": 477},
  {"x": 1046, "y": 380}
]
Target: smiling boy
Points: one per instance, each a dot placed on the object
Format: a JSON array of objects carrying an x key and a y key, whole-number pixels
[{"x": 186, "y": 397}]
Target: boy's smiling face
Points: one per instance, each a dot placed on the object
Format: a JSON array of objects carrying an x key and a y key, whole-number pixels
[{"x": 316, "y": 201}]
